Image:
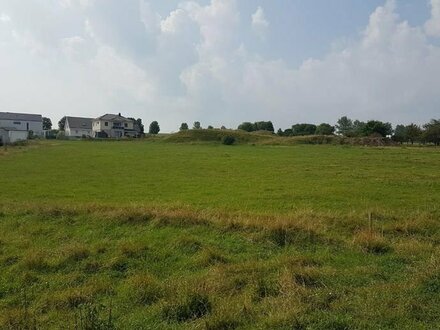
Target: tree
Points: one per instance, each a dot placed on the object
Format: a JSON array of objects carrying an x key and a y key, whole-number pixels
[
  {"x": 47, "y": 124},
  {"x": 154, "y": 128},
  {"x": 345, "y": 126},
  {"x": 62, "y": 123},
  {"x": 377, "y": 127},
  {"x": 183, "y": 127},
  {"x": 432, "y": 132},
  {"x": 223, "y": 127},
  {"x": 413, "y": 132},
  {"x": 138, "y": 126},
  {"x": 264, "y": 126},
  {"x": 303, "y": 129},
  {"x": 400, "y": 134},
  {"x": 197, "y": 125},
  {"x": 325, "y": 129},
  {"x": 210, "y": 127},
  {"x": 358, "y": 128},
  {"x": 247, "y": 126},
  {"x": 280, "y": 132}
]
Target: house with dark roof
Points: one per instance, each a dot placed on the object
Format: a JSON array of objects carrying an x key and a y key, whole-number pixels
[
  {"x": 78, "y": 127},
  {"x": 113, "y": 126},
  {"x": 17, "y": 126}
]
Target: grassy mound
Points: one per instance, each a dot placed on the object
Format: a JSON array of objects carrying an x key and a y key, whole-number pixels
[{"x": 216, "y": 135}]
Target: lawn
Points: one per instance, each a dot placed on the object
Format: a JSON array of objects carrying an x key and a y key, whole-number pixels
[{"x": 155, "y": 235}]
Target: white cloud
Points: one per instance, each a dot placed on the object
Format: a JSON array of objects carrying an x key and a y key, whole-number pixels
[
  {"x": 260, "y": 23},
  {"x": 4, "y": 18},
  {"x": 193, "y": 64},
  {"x": 432, "y": 26}
]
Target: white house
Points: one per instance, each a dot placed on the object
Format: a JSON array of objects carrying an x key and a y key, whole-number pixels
[
  {"x": 16, "y": 126},
  {"x": 78, "y": 127},
  {"x": 113, "y": 126}
]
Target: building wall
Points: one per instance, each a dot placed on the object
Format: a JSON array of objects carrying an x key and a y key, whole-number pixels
[
  {"x": 73, "y": 132},
  {"x": 22, "y": 125},
  {"x": 13, "y": 136}
]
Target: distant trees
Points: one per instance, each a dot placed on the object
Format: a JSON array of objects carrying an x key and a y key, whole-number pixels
[
  {"x": 197, "y": 125},
  {"x": 257, "y": 126},
  {"x": 210, "y": 127},
  {"x": 432, "y": 132},
  {"x": 183, "y": 127},
  {"x": 325, "y": 129},
  {"x": 303, "y": 129},
  {"x": 347, "y": 127},
  {"x": 413, "y": 133},
  {"x": 62, "y": 123},
  {"x": 47, "y": 124},
  {"x": 154, "y": 128}
]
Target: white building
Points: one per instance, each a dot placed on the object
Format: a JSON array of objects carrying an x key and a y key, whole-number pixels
[
  {"x": 78, "y": 127},
  {"x": 16, "y": 126},
  {"x": 113, "y": 126}
]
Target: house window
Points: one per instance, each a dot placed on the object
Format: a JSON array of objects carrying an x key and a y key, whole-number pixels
[
  {"x": 125, "y": 125},
  {"x": 17, "y": 122},
  {"x": 106, "y": 123}
]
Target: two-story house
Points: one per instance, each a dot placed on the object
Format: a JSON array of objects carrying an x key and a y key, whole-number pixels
[
  {"x": 17, "y": 126},
  {"x": 113, "y": 126},
  {"x": 78, "y": 127}
]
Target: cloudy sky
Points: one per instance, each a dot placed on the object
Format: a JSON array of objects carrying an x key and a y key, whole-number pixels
[{"x": 222, "y": 62}]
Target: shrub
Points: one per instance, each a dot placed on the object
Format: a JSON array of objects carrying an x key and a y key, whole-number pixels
[
  {"x": 61, "y": 135},
  {"x": 228, "y": 140}
]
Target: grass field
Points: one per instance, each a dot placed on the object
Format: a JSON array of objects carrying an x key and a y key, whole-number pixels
[{"x": 157, "y": 235}]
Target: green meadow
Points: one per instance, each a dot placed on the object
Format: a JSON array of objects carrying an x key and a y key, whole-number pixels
[{"x": 155, "y": 234}]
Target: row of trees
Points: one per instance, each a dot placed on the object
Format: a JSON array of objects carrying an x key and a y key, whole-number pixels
[
  {"x": 196, "y": 125},
  {"x": 428, "y": 133}
]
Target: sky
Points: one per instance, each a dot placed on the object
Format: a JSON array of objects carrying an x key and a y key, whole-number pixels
[{"x": 222, "y": 62}]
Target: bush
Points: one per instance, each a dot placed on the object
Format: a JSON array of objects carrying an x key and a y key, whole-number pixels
[
  {"x": 61, "y": 135},
  {"x": 228, "y": 140}
]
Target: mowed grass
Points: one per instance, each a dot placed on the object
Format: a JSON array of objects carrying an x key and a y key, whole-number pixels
[
  {"x": 153, "y": 235},
  {"x": 239, "y": 178}
]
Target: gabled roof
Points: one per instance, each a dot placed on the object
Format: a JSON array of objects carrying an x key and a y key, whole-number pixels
[
  {"x": 112, "y": 117},
  {"x": 20, "y": 116},
  {"x": 79, "y": 122}
]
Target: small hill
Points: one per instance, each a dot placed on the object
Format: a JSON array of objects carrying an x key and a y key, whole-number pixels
[{"x": 216, "y": 135}]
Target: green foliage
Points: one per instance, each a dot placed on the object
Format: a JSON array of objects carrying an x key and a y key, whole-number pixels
[
  {"x": 47, "y": 124},
  {"x": 345, "y": 126},
  {"x": 325, "y": 129},
  {"x": 377, "y": 127},
  {"x": 154, "y": 128},
  {"x": 228, "y": 140},
  {"x": 183, "y": 127},
  {"x": 432, "y": 132},
  {"x": 303, "y": 129},
  {"x": 400, "y": 134},
  {"x": 210, "y": 127},
  {"x": 257, "y": 126},
  {"x": 197, "y": 125},
  {"x": 62, "y": 123},
  {"x": 61, "y": 135}
]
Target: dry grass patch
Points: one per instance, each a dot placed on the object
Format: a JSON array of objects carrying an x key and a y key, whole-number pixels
[{"x": 371, "y": 242}]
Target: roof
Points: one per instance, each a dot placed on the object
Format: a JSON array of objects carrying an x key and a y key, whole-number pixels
[
  {"x": 79, "y": 122},
  {"x": 112, "y": 117},
  {"x": 20, "y": 116}
]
